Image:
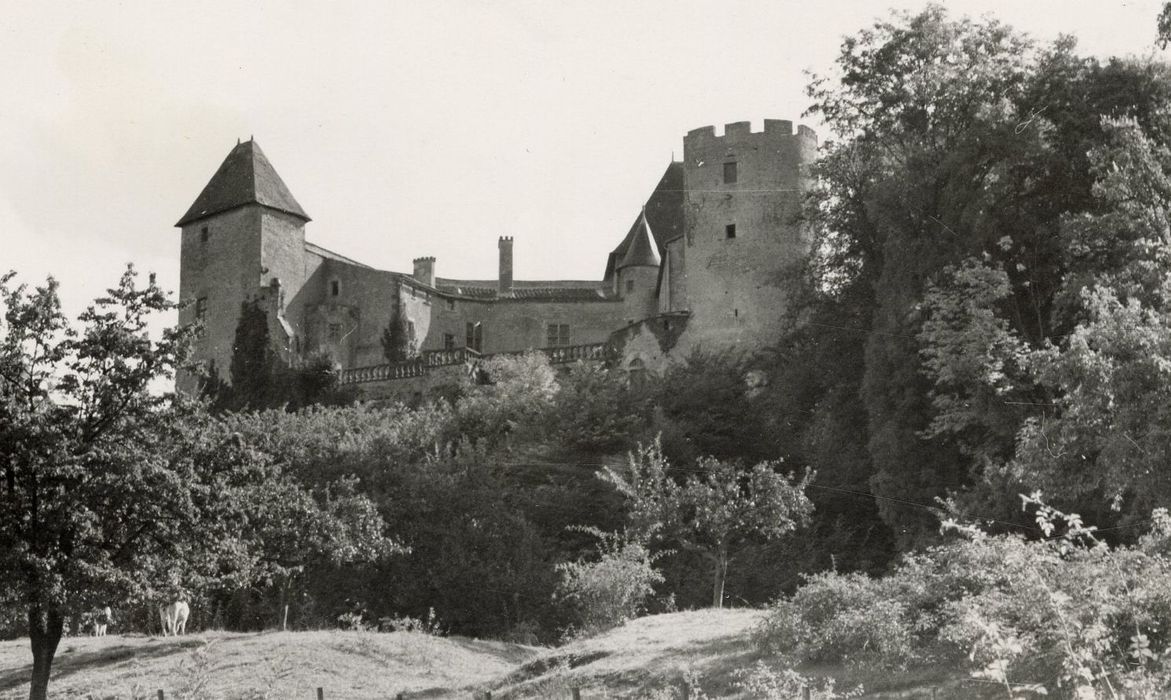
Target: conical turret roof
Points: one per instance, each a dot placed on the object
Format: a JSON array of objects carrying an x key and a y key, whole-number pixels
[
  {"x": 642, "y": 249},
  {"x": 245, "y": 177}
]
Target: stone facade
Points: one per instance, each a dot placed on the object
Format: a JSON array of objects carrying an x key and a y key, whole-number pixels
[{"x": 703, "y": 266}]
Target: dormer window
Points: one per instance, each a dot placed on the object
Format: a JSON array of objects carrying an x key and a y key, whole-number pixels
[
  {"x": 335, "y": 288},
  {"x": 730, "y": 173}
]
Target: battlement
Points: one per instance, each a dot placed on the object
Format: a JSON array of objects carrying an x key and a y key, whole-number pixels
[
  {"x": 425, "y": 270},
  {"x": 504, "y": 239},
  {"x": 705, "y": 136}
]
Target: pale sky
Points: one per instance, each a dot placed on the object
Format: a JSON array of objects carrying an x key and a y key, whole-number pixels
[{"x": 405, "y": 128}]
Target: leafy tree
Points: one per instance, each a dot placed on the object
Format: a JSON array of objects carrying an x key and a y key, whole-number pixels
[
  {"x": 704, "y": 408},
  {"x": 516, "y": 399},
  {"x": 596, "y": 410},
  {"x": 1100, "y": 388},
  {"x": 113, "y": 492},
  {"x": 955, "y": 139},
  {"x": 716, "y": 511}
]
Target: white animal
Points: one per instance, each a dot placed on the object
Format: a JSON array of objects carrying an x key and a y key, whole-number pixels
[
  {"x": 174, "y": 618},
  {"x": 102, "y": 618}
]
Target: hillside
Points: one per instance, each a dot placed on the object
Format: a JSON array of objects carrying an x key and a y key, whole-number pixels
[
  {"x": 649, "y": 657},
  {"x": 654, "y": 656},
  {"x": 349, "y": 665}
]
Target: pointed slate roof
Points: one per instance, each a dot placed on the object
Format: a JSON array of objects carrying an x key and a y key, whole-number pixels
[
  {"x": 641, "y": 249},
  {"x": 665, "y": 209},
  {"x": 245, "y": 177}
]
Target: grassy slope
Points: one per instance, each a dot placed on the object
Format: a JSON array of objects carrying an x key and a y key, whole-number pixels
[
  {"x": 274, "y": 665},
  {"x": 633, "y": 661},
  {"x": 643, "y": 655},
  {"x": 648, "y": 656}
]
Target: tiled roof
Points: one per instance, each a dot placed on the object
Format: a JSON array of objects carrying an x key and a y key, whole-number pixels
[
  {"x": 325, "y": 253},
  {"x": 528, "y": 292},
  {"x": 245, "y": 177}
]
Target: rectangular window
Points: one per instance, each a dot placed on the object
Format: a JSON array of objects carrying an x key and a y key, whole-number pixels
[
  {"x": 200, "y": 308},
  {"x": 203, "y": 235},
  {"x": 451, "y": 304},
  {"x": 475, "y": 336},
  {"x": 448, "y": 341},
  {"x": 730, "y": 231},
  {"x": 335, "y": 288},
  {"x": 411, "y": 331},
  {"x": 335, "y": 332},
  {"x": 557, "y": 335},
  {"x": 730, "y": 173},
  {"x": 629, "y": 286}
]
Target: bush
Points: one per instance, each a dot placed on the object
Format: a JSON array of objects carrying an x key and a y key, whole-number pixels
[
  {"x": 613, "y": 589},
  {"x": 1067, "y": 615},
  {"x": 597, "y": 411},
  {"x": 837, "y": 618}
]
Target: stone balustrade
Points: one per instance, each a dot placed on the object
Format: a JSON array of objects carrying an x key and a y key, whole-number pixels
[{"x": 421, "y": 365}]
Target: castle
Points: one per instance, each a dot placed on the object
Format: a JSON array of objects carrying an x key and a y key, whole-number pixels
[{"x": 701, "y": 266}]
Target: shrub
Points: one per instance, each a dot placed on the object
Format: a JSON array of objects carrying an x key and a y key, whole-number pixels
[
  {"x": 762, "y": 681},
  {"x": 1066, "y": 615},
  {"x": 838, "y": 618},
  {"x": 613, "y": 589}
]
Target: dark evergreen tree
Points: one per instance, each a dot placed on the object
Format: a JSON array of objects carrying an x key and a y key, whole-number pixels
[{"x": 396, "y": 341}]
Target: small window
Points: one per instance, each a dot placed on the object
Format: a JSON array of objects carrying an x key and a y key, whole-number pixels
[
  {"x": 629, "y": 286},
  {"x": 203, "y": 235},
  {"x": 335, "y": 288},
  {"x": 730, "y": 173},
  {"x": 730, "y": 231},
  {"x": 557, "y": 335},
  {"x": 200, "y": 308},
  {"x": 335, "y": 332},
  {"x": 475, "y": 336},
  {"x": 448, "y": 341},
  {"x": 451, "y": 304},
  {"x": 411, "y": 331}
]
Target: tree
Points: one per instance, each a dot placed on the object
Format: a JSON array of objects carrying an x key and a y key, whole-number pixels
[
  {"x": 397, "y": 345},
  {"x": 716, "y": 510},
  {"x": 261, "y": 379},
  {"x": 596, "y": 410},
  {"x": 114, "y": 492},
  {"x": 1099, "y": 425},
  {"x": 956, "y": 140}
]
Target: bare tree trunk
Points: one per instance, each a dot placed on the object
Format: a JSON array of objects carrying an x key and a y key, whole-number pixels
[
  {"x": 44, "y": 632},
  {"x": 721, "y": 561}
]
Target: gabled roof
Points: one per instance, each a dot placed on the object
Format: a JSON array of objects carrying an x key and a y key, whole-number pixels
[
  {"x": 641, "y": 249},
  {"x": 245, "y": 177}
]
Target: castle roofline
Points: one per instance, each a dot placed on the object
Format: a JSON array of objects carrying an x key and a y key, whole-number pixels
[{"x": 245, "y": 177}]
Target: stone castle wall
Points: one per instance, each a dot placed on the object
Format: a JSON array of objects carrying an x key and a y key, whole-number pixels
[{"x": 736, "y": 281}]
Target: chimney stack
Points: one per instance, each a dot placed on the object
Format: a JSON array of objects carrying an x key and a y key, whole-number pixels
[
  {"x": 506, "y": 263},
  {"x": 425, "y": 271}
]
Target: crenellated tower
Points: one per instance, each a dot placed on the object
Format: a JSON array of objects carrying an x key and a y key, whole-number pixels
[{"x": 741, "y": 239}]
